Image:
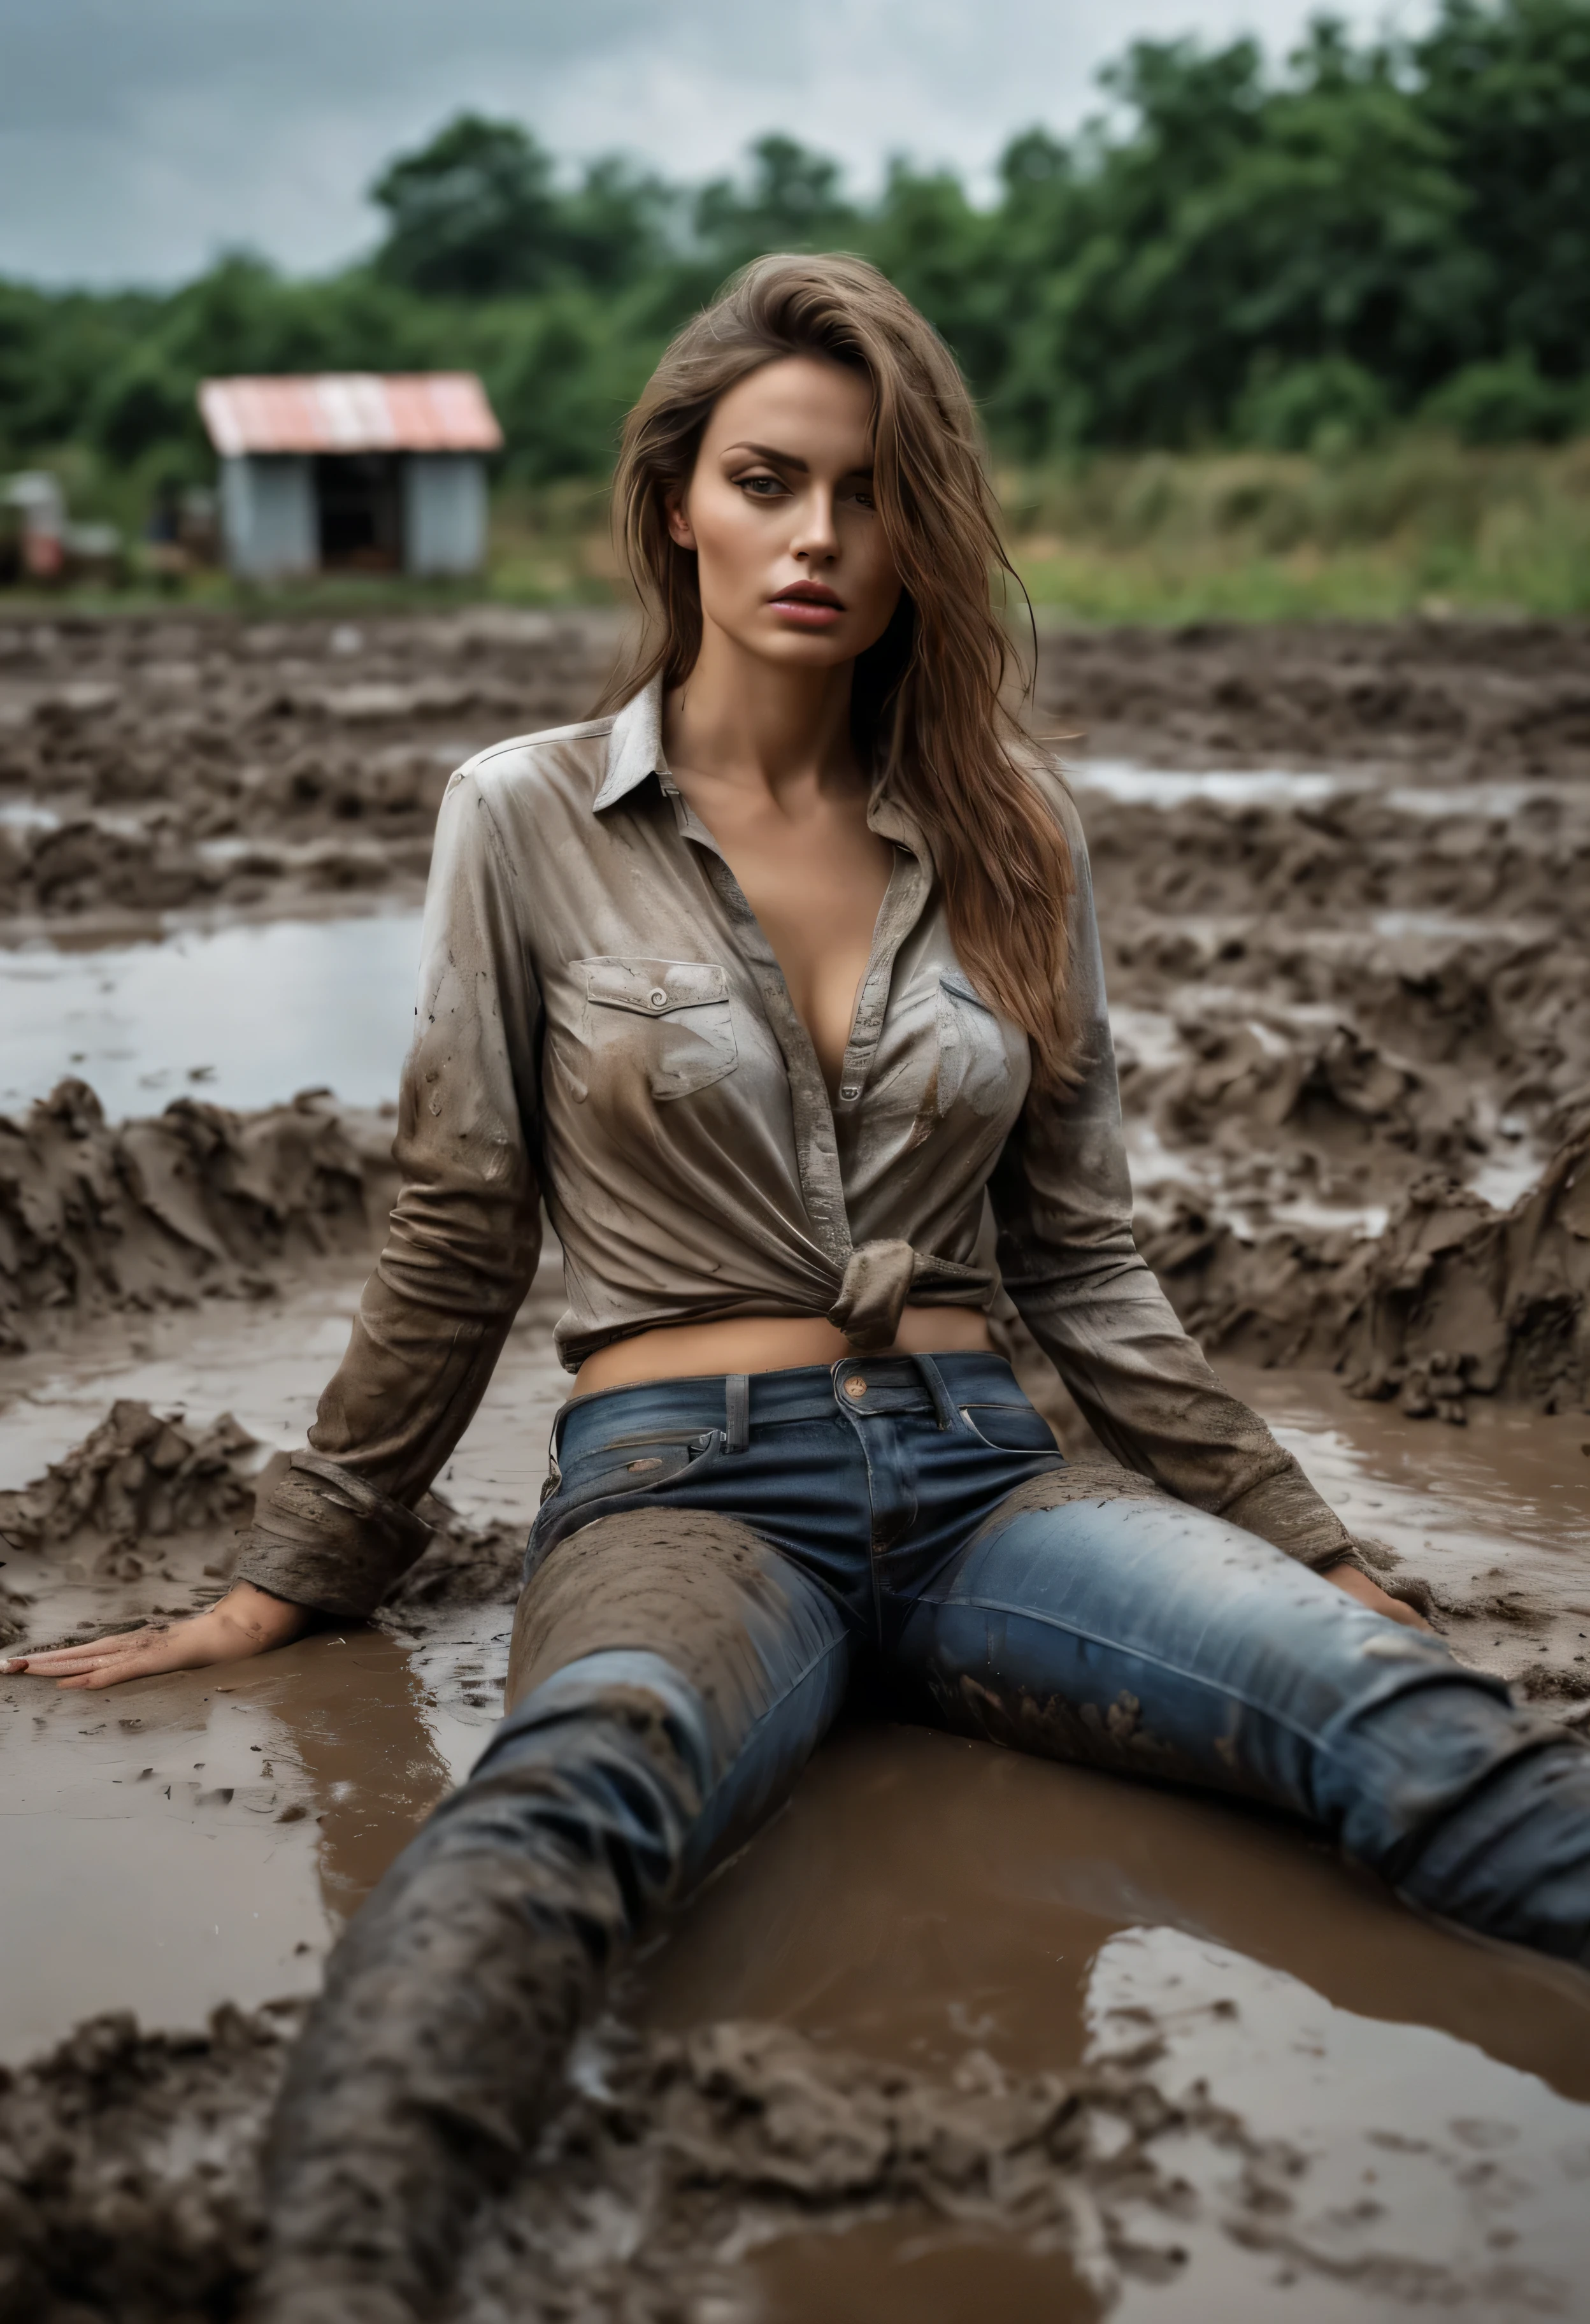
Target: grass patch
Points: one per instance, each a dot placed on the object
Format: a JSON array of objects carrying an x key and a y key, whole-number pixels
[{"x": 1422, "y": 526}]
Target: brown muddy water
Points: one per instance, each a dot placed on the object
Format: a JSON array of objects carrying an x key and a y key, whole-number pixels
[{"x": 961, "y": 2036}]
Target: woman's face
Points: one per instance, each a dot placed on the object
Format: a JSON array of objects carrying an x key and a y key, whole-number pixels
[{"x": 790, "y": 548}]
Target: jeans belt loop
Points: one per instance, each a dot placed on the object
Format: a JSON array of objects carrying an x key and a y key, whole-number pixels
[
  {"x": 737, "y": 1412},
  {"x": 944, "y": 1409}
]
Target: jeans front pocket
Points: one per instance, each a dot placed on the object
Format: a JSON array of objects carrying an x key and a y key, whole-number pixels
[
  {"x": 1010, "y": 1428},
  {"x": 611, "y": 1479}
]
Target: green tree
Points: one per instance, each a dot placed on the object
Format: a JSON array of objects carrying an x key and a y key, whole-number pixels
[
  {"x": 794, "y": 201},
  {"x": 472, "y": 214},
  {"x": 1508, "y": 89}
]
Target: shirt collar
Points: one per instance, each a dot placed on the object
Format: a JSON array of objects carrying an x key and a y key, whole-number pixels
[
  {"x": 634, "y": 746},
  {"x": 635, "y": 753}
]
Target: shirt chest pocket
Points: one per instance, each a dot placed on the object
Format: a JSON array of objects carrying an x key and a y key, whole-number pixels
[
  {"x": 974, "y": 1059},
  {"x": 669, "y": 1022}
]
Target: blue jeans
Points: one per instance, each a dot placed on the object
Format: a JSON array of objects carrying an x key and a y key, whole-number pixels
[
  {"x": 715, "y": 1562},
  {"x": 915, "y": 1513}
]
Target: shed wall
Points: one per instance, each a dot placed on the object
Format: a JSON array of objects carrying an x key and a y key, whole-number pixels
[
  {"x": 268, "y": 516},
  {"x": 444, "y": 513}
]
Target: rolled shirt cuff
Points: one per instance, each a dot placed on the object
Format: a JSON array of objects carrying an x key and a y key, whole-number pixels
[{"x": 327, "y": 1539}]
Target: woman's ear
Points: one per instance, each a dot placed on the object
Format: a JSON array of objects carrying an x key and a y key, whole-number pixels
[{"x": 680, "y": 530}]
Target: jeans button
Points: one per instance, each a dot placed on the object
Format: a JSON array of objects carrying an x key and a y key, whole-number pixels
[{"x": 855, "y": 1386}]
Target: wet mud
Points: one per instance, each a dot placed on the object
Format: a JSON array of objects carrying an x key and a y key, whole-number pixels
[
  {"x": 1003, "y": 2022},
  {"x": 194, "y": 1202},
  {"x": 1146, "y": 2057},
  {"x": 212, "y": 764},
  {"x": 961, "y": 2034}
]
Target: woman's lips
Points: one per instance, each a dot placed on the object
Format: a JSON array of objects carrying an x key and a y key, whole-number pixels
[{"x": 806, "y": 612}]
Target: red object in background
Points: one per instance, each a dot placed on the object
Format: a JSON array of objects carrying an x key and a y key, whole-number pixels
[
  {"x": 350, "y": 411},
  {"x": 42, "y": 555}
]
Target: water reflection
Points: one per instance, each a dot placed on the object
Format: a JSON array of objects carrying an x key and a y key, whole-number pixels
[{"x": 246, "y": 1015}]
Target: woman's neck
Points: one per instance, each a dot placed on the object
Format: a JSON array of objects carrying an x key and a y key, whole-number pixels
[{"x": 741, "y": 719}]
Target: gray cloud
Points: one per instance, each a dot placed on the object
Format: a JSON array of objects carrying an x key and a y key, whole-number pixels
[{"x": 136, "y": 141}]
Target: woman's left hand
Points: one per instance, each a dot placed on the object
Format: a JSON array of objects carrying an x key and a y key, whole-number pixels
[{"x": 1369, "y": 1594}]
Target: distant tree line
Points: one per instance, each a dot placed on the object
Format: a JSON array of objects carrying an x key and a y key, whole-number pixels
[{"x": 1299, "y": 257}]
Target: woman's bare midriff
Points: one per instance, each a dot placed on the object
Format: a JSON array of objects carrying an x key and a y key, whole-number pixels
[{"x": 769, "y": 1343}]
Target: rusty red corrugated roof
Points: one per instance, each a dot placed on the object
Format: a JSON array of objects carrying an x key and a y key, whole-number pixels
[{"x": 351, "y": 411}]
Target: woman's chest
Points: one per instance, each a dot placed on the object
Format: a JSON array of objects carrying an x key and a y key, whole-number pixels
[{"x": 670, "y": 1021}]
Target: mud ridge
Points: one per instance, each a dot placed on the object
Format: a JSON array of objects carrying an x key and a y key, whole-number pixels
[
  {"x": 148, "y": 1496},
  {"x": 1470, "y": 698},
  {"x": 178, "y": 764},
  {"x": 1454, "y": 1299},
  {"x": 193, "y": 1202},
  {"x": 130, "y": 2172},
  {"x": 170, "y": 765}
]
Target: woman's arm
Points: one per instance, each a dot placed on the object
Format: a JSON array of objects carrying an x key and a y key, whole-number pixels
[
  {"x": 461, "y": 1247},
  {"x": 1062, "y": 1200},
  {"x": 460, "y": 1251}
]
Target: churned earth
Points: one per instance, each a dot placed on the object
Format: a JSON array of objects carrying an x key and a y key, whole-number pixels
[{"x": 962, "y": 2036}]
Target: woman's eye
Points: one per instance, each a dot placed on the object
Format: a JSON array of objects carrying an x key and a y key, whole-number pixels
[{"x": 762, "y": 488}]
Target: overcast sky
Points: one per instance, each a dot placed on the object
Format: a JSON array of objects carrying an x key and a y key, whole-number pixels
[{"x": 139, "y": 137}]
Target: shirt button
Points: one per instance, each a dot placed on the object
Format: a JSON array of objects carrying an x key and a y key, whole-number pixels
[
  {"x": 658, "y": 997},
  {"x": 850, "y": 1092},
  {"x": 855, "y": 1386}
]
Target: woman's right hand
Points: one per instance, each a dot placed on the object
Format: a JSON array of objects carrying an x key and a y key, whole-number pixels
[{"x": 246, "y": 1621}]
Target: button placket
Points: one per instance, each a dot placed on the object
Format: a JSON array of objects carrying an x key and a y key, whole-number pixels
[
  {"x": 816, "y": 1147},
  {"x": 898, "y": 915}
]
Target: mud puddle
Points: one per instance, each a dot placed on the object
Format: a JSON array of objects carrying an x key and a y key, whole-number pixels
[
  {"x": 1419, "y": 2106},
  {"x": 243, "y": 1015},
  {"x": 198, "y": 1838},
  {"x": 1496, "y": 1520}
]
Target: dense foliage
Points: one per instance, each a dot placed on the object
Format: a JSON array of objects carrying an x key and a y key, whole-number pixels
[{"x": 1301, "y": 258}]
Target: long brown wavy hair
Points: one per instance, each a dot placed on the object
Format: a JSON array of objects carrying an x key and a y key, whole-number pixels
[{"x": 928, "y": 703}]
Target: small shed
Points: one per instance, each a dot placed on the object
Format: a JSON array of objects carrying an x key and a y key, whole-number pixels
[{"x": 351, "y": 471}]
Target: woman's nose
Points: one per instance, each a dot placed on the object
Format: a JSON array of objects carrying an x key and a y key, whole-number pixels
[{"x": 816, "y": 533}]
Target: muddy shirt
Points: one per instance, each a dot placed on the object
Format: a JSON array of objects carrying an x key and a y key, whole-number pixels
[{"x": 602, "y": 1026}]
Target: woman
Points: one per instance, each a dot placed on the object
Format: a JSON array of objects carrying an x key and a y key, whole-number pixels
[{"x": 780, "y": 982}]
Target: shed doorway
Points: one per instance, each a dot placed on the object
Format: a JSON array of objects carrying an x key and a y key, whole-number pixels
[{"x": 359, "y": 505}]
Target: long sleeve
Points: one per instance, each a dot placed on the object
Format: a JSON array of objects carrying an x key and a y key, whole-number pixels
[
  {"x": 1062, "y": 1201},
  {"x": 461, "y": 1247}
]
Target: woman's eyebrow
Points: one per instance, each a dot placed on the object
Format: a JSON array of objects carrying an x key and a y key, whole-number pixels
[
  {"x": 766, "y": 452},
  {"x": 777, "y": 459}
]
